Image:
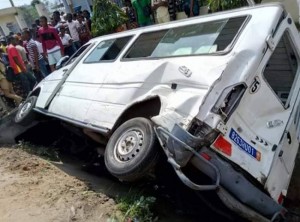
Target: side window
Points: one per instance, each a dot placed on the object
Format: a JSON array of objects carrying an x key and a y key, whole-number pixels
[
  {"x": 201, "y": 38},
  {"x": 77, "y": 53},
  {"x": 107, "y": 50},
  {"x": 281, "y": 70}
]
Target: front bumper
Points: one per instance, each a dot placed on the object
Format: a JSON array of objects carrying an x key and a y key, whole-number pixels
[{"x": 179, "y": 146}]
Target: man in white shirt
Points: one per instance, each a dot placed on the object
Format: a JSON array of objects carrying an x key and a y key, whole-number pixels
[
  {"x": 67, "y": 42},
  {"x": 73, "y": 29}
]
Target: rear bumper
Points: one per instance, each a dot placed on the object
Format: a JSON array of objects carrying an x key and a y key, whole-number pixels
[{"x": 245, "y": 198}]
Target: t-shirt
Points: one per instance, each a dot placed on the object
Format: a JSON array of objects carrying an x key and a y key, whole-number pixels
[
  {"x": 65, "y": 39},
  {"x": 73, "y": 26},
  {"x": 13, "y": 52},
  {"x": 139, "y": 6},
  {"x": 22, "y": 52},
  {"x": 3, "y": 47},
  {"x": 39, "y": 46},
  {"x": 50, "y": 39},
  {"x": 31, "y": 45}
]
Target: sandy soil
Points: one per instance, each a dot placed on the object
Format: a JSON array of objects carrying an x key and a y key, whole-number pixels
[{"x": 32, "y": 189}]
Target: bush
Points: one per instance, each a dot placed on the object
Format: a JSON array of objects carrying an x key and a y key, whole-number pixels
[{"x": 107, "y": 17}]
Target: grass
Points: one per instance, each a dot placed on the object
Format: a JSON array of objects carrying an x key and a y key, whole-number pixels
[
  {"x": 134, "y": 207},
  {"x": 48, "y": 153}
]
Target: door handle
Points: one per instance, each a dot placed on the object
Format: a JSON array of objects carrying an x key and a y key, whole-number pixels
[
  {"x": 289, "y": 138},
  {"x": 64, "y": 70}
]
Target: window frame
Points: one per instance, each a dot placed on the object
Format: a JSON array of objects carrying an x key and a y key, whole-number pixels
[
  {"x": 219, "y": 53},
  {"x": 286, "y": 106},
  {"x": 108, "y": 39},
  {"x": 87, "y": 45}
]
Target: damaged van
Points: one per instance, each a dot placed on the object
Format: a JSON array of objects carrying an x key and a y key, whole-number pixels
[{"x": 218, "y": 92}]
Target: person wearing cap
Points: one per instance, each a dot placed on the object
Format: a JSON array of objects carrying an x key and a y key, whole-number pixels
[
  {"x": 19, "y": 68},
  {"x": 52, "y": 45}
]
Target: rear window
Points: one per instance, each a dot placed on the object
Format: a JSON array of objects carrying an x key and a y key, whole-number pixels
[
  {"x": 203, "y": 38},
  {"x": 107, "y": 50}
]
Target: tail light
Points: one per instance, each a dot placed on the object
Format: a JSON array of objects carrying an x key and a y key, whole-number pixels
[
  {"x": 228, "y": 101},
  {"x": 222, "y": 145}
]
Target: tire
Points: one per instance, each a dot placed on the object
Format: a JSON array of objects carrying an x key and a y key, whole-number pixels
[
  {"x": 26, "y": 115},
  {"x": 132, "y": 150}
]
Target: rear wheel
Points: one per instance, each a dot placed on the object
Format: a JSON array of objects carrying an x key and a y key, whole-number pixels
[
  {"x": 132, "y": 150},
  {"x": 26, "y": 115}
]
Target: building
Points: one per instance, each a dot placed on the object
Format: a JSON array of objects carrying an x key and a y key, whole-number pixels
[
  {"x": 292, "y": 6},
  {"x": 11, "y": 20},
  {"x": 76, "y": 4}
]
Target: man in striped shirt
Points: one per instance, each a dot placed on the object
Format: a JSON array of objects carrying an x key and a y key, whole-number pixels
[{"x": 36, "y": 59}]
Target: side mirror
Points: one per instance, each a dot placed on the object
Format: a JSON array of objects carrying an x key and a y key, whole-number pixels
[{"x": 61, "y": 62}]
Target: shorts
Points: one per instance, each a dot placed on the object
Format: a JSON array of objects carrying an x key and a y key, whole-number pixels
[{"x": 54, "y": 57}]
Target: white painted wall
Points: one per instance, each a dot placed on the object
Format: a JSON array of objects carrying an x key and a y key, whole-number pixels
[
  {"x": 7, "y": 19},
  {"x": 42, "y": 10}
]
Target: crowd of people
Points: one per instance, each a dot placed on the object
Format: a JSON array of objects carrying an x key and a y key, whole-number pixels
[
  {"x": 147, "y": 12},
  {"x": 28, "y": 57}
]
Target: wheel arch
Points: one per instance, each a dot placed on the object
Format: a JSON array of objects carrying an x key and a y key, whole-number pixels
[{"x": 146, "y": 108}]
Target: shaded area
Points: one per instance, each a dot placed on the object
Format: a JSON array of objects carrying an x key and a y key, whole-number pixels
[{"x": 175, "y": 202}]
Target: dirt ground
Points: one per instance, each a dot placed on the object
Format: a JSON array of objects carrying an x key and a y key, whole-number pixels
[{"x": 32, "y": 189}]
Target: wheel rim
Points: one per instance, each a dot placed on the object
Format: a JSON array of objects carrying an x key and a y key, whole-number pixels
[
  {"x": 25, "y": 109},
  {"x": 129, "y": 145}
]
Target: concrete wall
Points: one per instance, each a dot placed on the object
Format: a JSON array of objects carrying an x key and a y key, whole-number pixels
[
  {"x": 291, "y": 6},
  {"x": 4, "y": 19}
]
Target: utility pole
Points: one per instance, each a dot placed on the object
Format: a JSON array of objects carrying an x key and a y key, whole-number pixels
[{"x": 12, "y": 3}]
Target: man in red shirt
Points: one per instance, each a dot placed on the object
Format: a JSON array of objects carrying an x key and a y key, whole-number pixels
[
  {"x": 16, "y": 62},
  {"x": 52, "y": 46}
]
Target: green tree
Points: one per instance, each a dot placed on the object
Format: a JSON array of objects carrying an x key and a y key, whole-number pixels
[
  {"x": 35, "y": 2},
  {"x": 30, "y": 14},
  {"x": 107, "y": 16}
]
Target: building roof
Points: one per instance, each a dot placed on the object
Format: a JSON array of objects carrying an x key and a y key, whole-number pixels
[{"x": 8, "y": 11}]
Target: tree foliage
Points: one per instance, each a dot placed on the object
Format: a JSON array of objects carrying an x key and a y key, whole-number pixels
[
  {"x": 30, "y": 14},
  {"x": 35, "y": 2},
  {"x": 107, "y": 16}
]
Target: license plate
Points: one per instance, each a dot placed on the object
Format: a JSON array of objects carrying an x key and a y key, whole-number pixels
[{"x": 242, "y": 144}]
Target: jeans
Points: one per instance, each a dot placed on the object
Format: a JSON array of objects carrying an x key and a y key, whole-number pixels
[
  {"x": 77, "y": 45},
  {"x": 69, "y": 50},
  {"x": 27, "y": 81},
  {"x": 43, "y": 68}
]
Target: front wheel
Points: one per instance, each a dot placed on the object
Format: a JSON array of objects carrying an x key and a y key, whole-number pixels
[
  {"x": 132, "y": 150},
  {"x": 26, "y": 115}
]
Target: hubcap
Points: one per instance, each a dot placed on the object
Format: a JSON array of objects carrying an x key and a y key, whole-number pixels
[
  {"x": 25, "y": 108},
  {"x": 129, "y": 145}
]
